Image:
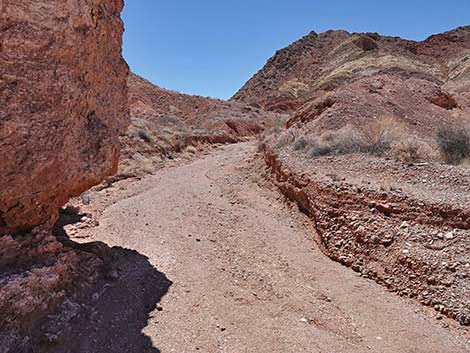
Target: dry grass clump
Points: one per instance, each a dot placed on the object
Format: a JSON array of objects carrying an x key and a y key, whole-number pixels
[
  {"x": 342, "y": 141},
  {"x": 345, "y": 140},
  {"x": 301, "y": 143},
  {"x": 287, "y": 138},
  {"x": 454, "y": 143},
  {"x": 382, "y": 134},
  {"x": 411, "y": 150},
  {"x": 385, "y": 136},
  {"x": 144, "y": 135}
]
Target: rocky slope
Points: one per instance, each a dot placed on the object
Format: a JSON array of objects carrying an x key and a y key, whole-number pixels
[
  {"x": 336, "y": 78},
  {"x": 165, "y": 123},
  {"x": 63, "y": 99}
]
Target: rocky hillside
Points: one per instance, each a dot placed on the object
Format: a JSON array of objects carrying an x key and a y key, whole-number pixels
[
  {"x": 336, "y": 78},
  {"x": 371, "y": 123},
  {"x": 166, "y": 122}
]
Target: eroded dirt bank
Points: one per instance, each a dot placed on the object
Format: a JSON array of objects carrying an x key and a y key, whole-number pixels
[
  {"x": 413, "y": 246},
  {"x": 246, "y": 273}
]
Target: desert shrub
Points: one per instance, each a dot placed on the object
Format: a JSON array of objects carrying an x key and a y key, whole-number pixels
[
  {"x": 144, "y": 135},
  {"x": 344, "y": 140},
  {"x": 412, "y": 150},
  {"x": 377, "y": 138},
  {"x": 201, "y": 132},
  {"x": 287, "y": 138},
  {"x": 173, "y": 121},
  {"x": 147, "y": 166},
  {"x": 301, "y": 143},
  {"x": 319, "y": 147},
  {"x": 454, "y": 143},
  {"x": 382, "y": 134}
]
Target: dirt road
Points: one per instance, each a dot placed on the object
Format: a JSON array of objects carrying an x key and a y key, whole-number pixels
[{"x": 246, "y": 273}]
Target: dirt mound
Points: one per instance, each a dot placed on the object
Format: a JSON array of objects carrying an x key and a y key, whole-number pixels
[
  {"x": 165, "y": 123},
  {"x": 365, "y": 76}
]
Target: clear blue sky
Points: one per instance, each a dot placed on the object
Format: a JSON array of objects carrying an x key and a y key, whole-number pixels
[{"x": 212, "y": 47}]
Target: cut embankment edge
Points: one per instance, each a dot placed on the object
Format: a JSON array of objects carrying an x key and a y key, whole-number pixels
[{"x": 372, "y": 234}]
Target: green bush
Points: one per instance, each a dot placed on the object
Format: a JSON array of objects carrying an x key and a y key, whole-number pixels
[
  {"x": 454, "y": 143},
  {"x": 144, "y": 135}
]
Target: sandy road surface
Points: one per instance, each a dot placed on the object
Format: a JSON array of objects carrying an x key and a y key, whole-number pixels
[{"x": 246, "y": 275}]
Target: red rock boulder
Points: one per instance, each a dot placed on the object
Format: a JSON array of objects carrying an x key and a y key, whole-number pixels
[{"x": 63, "y": 104}]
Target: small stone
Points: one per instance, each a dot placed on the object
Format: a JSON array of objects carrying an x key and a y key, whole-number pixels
[
  {"x": 113, "y": 275},
  {"x": 51, "y": 338},
  {"x": 387, "y": 241},
  {"x": 86, "y": 198},
  {"x": 449, "y": 236}
]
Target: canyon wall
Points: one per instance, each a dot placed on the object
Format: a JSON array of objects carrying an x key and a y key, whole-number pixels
[
  {"x": 63, "y": 106},
  {"x": 63, "y": 100}
]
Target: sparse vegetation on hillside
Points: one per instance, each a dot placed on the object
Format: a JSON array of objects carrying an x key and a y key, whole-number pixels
[
  {"x": 454, "y": 143},
  {"x": 381, "y": 135},
  {"x": 385, "y": 136}
]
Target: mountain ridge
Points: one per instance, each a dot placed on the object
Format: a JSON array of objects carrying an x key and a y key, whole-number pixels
[{"x": 386, "y": 75}]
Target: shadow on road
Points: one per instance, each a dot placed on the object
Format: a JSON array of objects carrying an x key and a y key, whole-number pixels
[{"x": 120, "y": 305}]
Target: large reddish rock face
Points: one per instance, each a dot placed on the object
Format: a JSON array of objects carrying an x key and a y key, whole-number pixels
[{"x": 63, "y": 104}]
